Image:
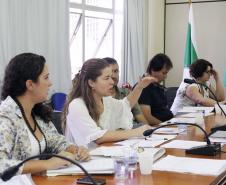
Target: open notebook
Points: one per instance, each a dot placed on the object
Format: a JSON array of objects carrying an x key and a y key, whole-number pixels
[
  {"x": 119, "y": 151},
  {"x": 96, "y": 165}
]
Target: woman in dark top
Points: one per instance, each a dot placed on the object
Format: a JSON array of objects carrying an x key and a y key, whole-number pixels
[{"x": 153, "y": 101}]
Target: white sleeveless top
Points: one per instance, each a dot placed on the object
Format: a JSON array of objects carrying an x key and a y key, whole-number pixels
[
  {"x": 181, "y": 100},
  {"x": 34, "y": 143}
]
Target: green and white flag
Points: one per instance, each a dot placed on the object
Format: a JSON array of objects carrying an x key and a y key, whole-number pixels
[
  {"x": 190, "y": 54},
  {"x": 225, "y": 78}
]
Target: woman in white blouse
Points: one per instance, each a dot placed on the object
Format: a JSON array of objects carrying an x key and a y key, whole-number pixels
[
  {"x": 91, "y": 115},
  {"x": 197, "y": 95}
]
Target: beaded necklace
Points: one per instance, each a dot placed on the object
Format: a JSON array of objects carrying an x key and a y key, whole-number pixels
[{"x": 29, "y": 126}]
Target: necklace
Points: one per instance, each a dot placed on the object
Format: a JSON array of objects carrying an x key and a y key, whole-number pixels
[{"x": 29, "y": 126}]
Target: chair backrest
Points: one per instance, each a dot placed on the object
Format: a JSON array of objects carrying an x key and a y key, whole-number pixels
[
  {"x": 171, "y": 94},
  {"x": 56, "y": 119},
  {"x": 58, "y": 101}
]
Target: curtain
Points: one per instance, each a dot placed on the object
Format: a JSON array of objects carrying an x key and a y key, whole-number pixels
[
  {"x": 38, "y": 26},
  {"x": 135, "y": 49}
]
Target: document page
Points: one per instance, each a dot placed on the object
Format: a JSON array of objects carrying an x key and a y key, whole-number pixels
[
  {"x": 170, "y": 130},
  {"x": 183, "y": 144},
  {"x": 212, "y": 167},
  {"x": 109, "y": 151},
  {"x": 183, "y": 120},
  {"x": 19, "y": 180},
  {"x": 147, "y": 142},
  {"x": 196, "y": 109},
  {"x": 96, "y": 165},
  {"x": 218, "y": 137}
]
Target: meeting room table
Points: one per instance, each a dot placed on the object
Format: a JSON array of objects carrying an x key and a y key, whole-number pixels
[{"x": 158, "y": 177}]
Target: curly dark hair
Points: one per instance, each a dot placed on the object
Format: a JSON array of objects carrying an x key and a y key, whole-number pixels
[
  {"x": 199, "y": 67},
  {"x": 158, "y": 62},
  {"x": 23, "y": 67}
]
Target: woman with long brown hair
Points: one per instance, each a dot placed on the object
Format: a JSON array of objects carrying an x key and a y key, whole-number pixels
[{"x": 91, "y": 115}]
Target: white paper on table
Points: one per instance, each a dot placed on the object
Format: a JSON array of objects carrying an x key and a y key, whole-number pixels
[
  {"x": 195, "y": 114},
  {"x": 218, "y": 137},
  {"x": 109, "y": 151},
  {"x": 182, "y": 120},
  {"x": 156, "y": 137},
  {"x": 96, "y": 165},
  {"x": 172, "y": 130},
  {"x": 219, "y": 134},
  {"x": 161, "y": 137},
  {"x": 196, "y": 109},
  {"x": 199, "y": 166},
  {"x": 217, "y": 140},
  {"x": 19, "y": 180},
  {"x": 140, "y": 143},
  {"x": 152, "y": 141},
  {"x": 183, "y": 144}
]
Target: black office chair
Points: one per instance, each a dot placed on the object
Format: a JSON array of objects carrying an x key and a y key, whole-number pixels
[
  {"x": 171, "y": 94},
  {"x": 56, "y": 119}
]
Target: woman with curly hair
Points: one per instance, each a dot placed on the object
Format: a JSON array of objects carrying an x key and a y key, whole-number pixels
[
  {"x": 25, "y": 126},
  {"x": 195, "y": 94}
]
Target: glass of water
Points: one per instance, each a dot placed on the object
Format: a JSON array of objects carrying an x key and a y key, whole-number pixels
[
  {"x": 131, "y": 158},
  {"x": 120, "y": 168}
]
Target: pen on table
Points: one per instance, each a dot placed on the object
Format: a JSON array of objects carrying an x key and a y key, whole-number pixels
[{"x": 155, "y": 139}]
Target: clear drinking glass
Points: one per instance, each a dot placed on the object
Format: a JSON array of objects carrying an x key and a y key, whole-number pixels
[{"x": 120, "y": 169}]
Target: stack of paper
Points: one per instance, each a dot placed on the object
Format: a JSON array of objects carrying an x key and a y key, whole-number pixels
[
  {"x": 94, "y": 166},
  {"x": 187, "y": 109},
  {"x": 121, "y": 151},
  {"x": 191, "y": 165},
  {"x": 182, "y": 120},
  {"x": 147, "y": 142},
  {"x": 194, "y": 114},
  {"x": 170, "y": 130},
  {"x": 109, "y": 151},
  {"x": 183, "y": 144},
  {"x": 218, "y": 137}
]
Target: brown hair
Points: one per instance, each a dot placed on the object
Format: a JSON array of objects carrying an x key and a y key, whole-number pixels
[
  {"x": 199, "y": 67},
  {"x": 91, "y": 69}
]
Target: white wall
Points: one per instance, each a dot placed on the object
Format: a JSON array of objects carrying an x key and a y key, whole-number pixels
[
  {"x": 210, "y": 24},
  {"x": 156, "y": 27}
]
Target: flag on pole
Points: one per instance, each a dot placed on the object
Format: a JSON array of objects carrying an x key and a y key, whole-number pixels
[
  {"x": 190, "y": 54},
  {"x": 225, "y": 78}
]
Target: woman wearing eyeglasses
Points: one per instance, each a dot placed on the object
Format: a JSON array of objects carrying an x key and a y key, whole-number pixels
[{"x": 197, "y": 95}]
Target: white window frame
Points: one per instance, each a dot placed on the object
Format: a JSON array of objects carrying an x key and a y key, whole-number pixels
[{"x": 85, "y": 7}]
